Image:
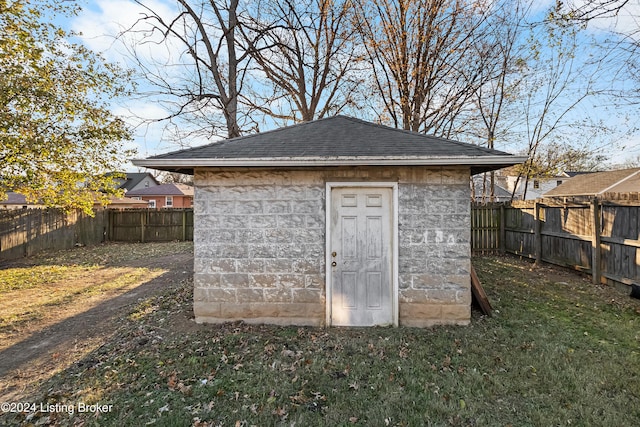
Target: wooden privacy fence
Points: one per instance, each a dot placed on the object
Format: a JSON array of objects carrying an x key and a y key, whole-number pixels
[
  {"x": 600, "y": 237},
  {"x": 24, "y": 232},
  {"x": 150, "y": 225}
]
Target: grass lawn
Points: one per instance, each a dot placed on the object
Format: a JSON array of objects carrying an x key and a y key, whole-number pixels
[
  {"x": 557, "y": 351},
  {"x": 53, "y": 285}
]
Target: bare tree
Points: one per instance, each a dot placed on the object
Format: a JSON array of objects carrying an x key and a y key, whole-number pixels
[
  {"x": 305, "y": 54},
  {"x": 501, "y": 54},
  {"x": 556, "y": 84},
  {"x": 422, "y": 59},
  {"x": 587, "y": 10},
  {"x": 199, "y": 76}
]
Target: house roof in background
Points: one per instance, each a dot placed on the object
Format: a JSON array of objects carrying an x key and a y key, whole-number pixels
[
  {"x": 14, "y": 199},
  {"x": 593, "y": 184},
  {"x": 499, "y": 192},
  {"x": 334, "y": 141},
  {"x": 117, "y": 201},
  {"x": 571, "y": 174},
  {"x": 134, "y": 179},
  {"x": 163, "y": 190}
]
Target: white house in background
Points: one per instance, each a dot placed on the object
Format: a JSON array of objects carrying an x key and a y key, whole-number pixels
[
  {"x": 137, "y": 181},
  {"x": 536, "y": 186}
]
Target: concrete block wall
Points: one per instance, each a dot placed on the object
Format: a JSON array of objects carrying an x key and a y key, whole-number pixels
[
  {"x": 434, "y": 232},
  {"x": 259, "y": 239},
  {"x": 259, "y": 246}
]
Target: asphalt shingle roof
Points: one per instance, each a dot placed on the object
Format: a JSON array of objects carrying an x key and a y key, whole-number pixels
[
  {"x": 591, "y": 184},
  {"x": 163, "y": 190},
  {"x": 328, "y": 139}
]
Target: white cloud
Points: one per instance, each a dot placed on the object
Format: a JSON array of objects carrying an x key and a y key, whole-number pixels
[
  {"x": 624, "y": 21},
  {"x": 106, "y": 27}
]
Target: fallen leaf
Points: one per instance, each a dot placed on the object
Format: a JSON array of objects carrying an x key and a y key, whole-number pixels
[
  {"x": 281, "y": 412},
  {"x": 172, "y": 382}
]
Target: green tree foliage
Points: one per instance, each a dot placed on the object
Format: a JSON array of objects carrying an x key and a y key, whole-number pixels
[{"x": 57, "y": 136}]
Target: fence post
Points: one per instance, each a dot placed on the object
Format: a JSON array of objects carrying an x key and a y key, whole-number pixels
[
  {"x": 595, "y": 243},
  {"x": 538, "y": 232},
  {"x": 503, "y": 232},
  {"x": 142, "y": 223},
  {"x": 110, "y": 219},
  {"x": 184, "y": 225}
]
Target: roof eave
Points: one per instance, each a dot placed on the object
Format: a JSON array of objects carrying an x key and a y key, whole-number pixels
[{"x": 478, "y": 163}]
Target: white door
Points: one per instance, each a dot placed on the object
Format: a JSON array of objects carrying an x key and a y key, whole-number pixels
[{"x": 361, "y": 256}]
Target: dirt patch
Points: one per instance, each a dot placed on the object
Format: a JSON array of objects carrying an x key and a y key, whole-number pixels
[{"x": 46, "y": 341}]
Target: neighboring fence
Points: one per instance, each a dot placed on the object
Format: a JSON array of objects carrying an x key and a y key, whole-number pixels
[
  {"x": 597, "y": 237},
  {"x": 24, "y": 232},
  {"x": 150, "y": 225}
]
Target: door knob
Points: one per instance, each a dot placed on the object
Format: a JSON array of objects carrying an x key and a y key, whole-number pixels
[
  {"x": 333, "y": 264},
  {"x": 333, "y": 254}
]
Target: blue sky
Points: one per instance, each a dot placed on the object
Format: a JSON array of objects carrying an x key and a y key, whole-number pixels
[{"x": 102, "y": 20}]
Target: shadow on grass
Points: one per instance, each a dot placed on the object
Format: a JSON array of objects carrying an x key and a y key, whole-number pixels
[{"x": 37, "y": 354}]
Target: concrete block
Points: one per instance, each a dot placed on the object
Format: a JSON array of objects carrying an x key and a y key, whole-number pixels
[
  {"x": 250, "y": 236},
  {"x": 235, "y": 280},
  {"x": 250, "y": 295},
  {"x": 264, "y": 280},
  {"x": 278, "y": 295},
  {"x": 221, "y": 295},
  {"x": 291, "y": 192},
  {"x": 280, "y": 265},
  {"x": 307, "y": 206},
  {"x": 206, "y": 309},
  {"x": 276, "y": 206},
  {"x": 249, "y": 265},
  {"x": 315, "y": 281},
  {"x": 290, "y": 221},
  {"x": 234, "y": 222},
  {"x": 315, "y": 221},
  {"x": 441, "y": 296},
  {"x": 279, "y": 235},
  {"x": 249, "y": 207},
  {"x": 291, "y": 280},
  {"x": 307, "y": 295},
  {"x": 203, "y": 280},
  {"x": 217, "y": 265},
  {"x": 263, "y": 250},
  {"x": 262, "y": 221},
  {"x": 419, "y": 311},
  {"x": 412, "y": 296},
  {"x": 456, "y": 312}
]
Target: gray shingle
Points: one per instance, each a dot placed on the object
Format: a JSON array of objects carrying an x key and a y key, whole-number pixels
[
  {"x": 596, "y": 183},
  {"x": 333, "y": 141},
  {"x": 337, "y": 136}
]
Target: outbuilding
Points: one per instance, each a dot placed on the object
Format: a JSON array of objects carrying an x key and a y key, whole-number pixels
[{"x": 336, "y": 222}]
